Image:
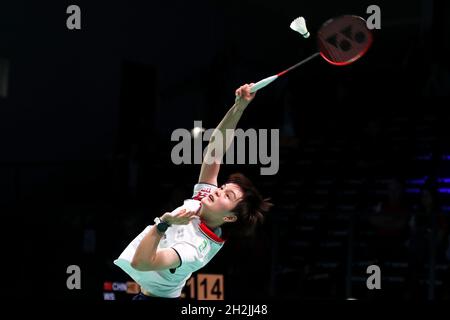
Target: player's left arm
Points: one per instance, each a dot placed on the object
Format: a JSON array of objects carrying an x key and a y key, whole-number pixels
[
  {"x": 148, "y": 257},
  {"x": 219, "y": 141}
]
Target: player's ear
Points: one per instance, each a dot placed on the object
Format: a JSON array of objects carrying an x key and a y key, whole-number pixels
[{"x": 230, "y": 218}]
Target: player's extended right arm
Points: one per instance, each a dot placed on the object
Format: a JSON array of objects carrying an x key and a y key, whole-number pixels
[{"x": 222, "y": 136}]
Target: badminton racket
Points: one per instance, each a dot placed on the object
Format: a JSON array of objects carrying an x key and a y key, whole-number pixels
[{"x": 341, "y": 41}]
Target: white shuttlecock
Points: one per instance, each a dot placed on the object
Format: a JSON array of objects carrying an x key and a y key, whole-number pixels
[{"x": 299, "y": 25}]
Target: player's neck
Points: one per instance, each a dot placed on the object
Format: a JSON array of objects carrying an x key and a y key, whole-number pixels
[
  {"x": 208, "y": 222},
  {"x": 211, "y": 225}
]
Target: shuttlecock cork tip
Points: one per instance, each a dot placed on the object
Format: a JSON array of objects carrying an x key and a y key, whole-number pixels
[{"x": 299, "y": 25}]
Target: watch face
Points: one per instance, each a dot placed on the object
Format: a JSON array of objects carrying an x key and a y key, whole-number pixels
[{"x": 162, "y": 226}]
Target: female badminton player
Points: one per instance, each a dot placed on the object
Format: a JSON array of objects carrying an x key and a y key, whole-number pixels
[{"x": 164, "y": 255}]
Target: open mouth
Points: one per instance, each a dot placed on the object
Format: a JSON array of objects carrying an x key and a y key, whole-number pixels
[{"x": 211, "y": 198}]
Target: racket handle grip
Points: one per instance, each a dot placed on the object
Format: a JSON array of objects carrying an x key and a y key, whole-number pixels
[{"x": 262, "y": 83}]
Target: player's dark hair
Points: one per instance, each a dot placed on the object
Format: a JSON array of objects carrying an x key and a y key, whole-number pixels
[{"x": 250, "y": 210}]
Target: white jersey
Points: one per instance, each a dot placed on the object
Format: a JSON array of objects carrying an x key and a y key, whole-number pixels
[{"x": 195, "y": 244}]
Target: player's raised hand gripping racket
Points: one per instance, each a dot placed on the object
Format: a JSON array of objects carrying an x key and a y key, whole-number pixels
[{"x": 340, "y": 41}]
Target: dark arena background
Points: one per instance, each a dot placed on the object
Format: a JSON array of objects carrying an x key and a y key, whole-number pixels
[{"x": 86, "y": 118}]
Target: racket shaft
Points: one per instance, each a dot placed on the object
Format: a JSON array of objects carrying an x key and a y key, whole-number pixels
[
  {"x": 299, "y": 64},
  {"x": 264, "y": 82}
]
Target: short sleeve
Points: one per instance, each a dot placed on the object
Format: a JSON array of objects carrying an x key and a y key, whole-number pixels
[
  {"x": 188, "y": 254},
  {"x": 202, "y": 190}
]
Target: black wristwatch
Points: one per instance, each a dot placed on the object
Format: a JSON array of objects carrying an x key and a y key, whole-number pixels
[{"x": 161, "y": 225}]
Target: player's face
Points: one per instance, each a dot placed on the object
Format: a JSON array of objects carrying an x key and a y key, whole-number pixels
[{"x": 224, "y": 199}]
